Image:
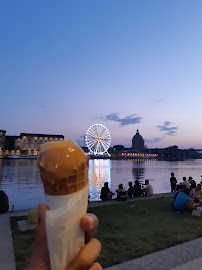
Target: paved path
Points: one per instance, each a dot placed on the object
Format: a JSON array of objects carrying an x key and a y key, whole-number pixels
[
  {"x": 7, "y": 260},
  {"x": 181, "y": 257},
  {"x": 155, "y": 196}
]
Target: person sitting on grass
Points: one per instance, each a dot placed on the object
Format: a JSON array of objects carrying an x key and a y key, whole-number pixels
[
  {"x": 130, "y": 190},
  {"x": 185, "y": 182},
  {"x": 181, "y": 189},
  {"x": 106, "y": 193},
  {"x": 196, "y": 194},
  {"x": 192, "y": 183},
  {"x": 148, "y": 190},
  {"x": 121, "y": 193},
  {"x": 137, "y": 189},
  {"x": 4, "y": 202},
  {"x": 183, "y": 201}
]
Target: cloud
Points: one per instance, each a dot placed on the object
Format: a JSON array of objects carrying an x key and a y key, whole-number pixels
[
  {"x": 128, "y": 120},
  {"x": 167, "y": 129},
  {"x": 158, "y": 100},
  {"x": 167, "y": 123},
  {"x": 155, "y": 140}
]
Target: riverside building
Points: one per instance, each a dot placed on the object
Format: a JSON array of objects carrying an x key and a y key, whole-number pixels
[
  {"x": 27, "y": 143},
  {"x": 2, "y": 141}
]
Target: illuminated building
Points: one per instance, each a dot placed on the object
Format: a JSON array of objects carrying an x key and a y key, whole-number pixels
[
  {"x": 28, "y": 143},
  {"x": 2, "y": 141}
]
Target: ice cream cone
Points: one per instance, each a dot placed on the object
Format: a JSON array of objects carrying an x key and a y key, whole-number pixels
[{"x": 64, "y": 173}]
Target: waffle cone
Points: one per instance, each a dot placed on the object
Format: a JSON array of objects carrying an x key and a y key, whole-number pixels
[{"x": 63, "y": 168}]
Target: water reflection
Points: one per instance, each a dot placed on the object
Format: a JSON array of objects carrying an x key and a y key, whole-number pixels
[
  {"x": 138, "y": 170},
  {"x": 99, "y": 172},
  {"x": 20, "y": 179}
]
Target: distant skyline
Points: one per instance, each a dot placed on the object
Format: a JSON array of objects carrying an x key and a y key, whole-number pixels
[{"x": 126, "y": 64}]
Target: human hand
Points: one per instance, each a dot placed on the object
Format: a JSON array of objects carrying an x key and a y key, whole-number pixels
[{"x": 85, "y": 258}]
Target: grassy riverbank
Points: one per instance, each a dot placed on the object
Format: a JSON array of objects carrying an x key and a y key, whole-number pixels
[{"x": 127, "y": 231}]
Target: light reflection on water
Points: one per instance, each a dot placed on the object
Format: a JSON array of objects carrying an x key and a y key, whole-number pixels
[
  {"x": 99, "y": 172},
  {"x": 21, "y": 179}
]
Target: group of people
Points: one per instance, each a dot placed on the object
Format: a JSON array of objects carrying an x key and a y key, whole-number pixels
[
  {"x": 122, "y": 194},
  {"x": 188, "y": 194}
]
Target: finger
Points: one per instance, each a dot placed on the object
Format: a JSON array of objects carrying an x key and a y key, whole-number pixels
[
  {"x": 89, "y": 224},
  {"x": 42, "y": 208},
  {"x": 95, "y": 266},
  {"x": 40, "y": 237},
  {"x": 41, "y": 227},
  {"x": 40, "y": 256},
  {"x": 86, "y": 256}
]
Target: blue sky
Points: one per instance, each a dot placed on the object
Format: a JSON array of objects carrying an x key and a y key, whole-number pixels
[{"x": 66, "y": 65}]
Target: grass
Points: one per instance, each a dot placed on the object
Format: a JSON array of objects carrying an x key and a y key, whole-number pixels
[
  {"x": 127, "y": 231},
  {"x": 22, "y": 242}
]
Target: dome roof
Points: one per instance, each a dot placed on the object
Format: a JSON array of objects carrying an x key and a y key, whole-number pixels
[{"x": 137, "y": 136}]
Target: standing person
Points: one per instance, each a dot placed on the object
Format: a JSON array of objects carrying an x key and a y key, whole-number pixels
[
  {"x": 173, "y": 182},
  {"x": 106, "y": 193},
  {"x": 148, "y": 189},
  {"x": 130, "y": 190},
  {"x": 4, "y": 202}
]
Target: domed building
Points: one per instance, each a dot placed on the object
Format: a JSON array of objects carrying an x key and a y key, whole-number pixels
[{"x": 138, "y": 143}]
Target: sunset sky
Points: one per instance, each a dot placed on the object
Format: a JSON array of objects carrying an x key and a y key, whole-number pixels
[{"x": 66, "y": 65}]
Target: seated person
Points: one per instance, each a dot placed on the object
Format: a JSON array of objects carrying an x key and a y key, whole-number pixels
[
  {"x": 148, "y": 190},
  {"x": 192, "y": 183},
  {"x": 181, "y": 189},
  {"x": 4, "y": 202},
  {"x": 121, "y": 193},
  {"x": 130, "y": 190},
  {"x": 106, "y": 193},
  {"x": 185, "y": 182},
  {"x": 137, "y": 189},
  {"x": 196, "y": 194},
  {"x": 183, "y": 201}
]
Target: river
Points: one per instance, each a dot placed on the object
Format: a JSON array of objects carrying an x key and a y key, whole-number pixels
[{"x": 20, "y": 179}]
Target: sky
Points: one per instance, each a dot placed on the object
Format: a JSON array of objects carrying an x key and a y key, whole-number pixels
[{"x": 130, "y": 64}]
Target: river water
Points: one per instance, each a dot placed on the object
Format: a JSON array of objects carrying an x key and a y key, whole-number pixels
[{"x": 20, "y": 179}]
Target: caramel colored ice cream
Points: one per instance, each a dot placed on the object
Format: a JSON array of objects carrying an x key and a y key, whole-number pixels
[{"x": 63, "y": 167}]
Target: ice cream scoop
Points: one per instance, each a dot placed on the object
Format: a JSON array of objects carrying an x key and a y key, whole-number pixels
[{"x": 63, "y": 167}]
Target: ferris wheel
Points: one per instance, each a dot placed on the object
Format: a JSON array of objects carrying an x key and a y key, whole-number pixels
[{"x": 98, "y": 139}]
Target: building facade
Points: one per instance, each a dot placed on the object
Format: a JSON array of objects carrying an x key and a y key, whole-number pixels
[
  {"x": 2, "y": 141},
  {"x": 28, "y": 143}
]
